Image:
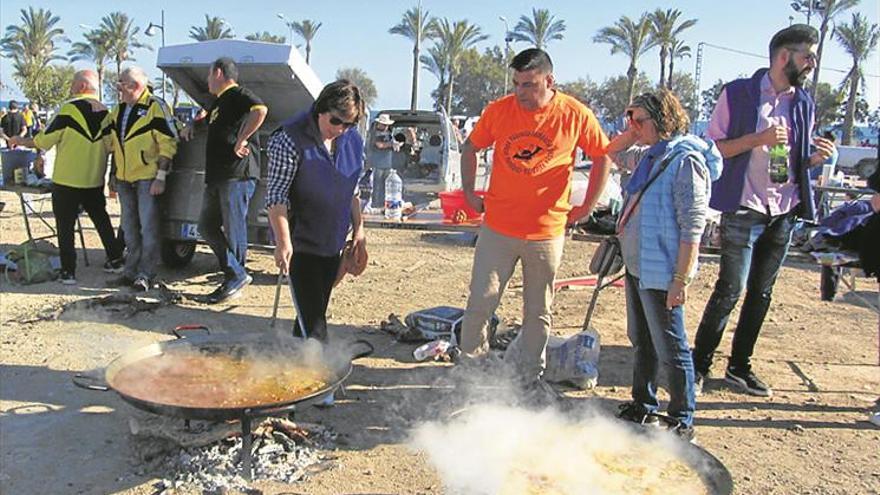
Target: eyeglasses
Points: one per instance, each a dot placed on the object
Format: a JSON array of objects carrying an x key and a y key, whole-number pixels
[
  {"x": 638, "y": 122},
  {"x": 334, "y": 120},
  {"x": 122, "y": 84}
]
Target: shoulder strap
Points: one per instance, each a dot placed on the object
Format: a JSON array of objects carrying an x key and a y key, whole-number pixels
[{"x": 624, "y": 217}]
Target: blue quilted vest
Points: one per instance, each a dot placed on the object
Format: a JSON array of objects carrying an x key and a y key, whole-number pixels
[{"x": 321, "y": 193}]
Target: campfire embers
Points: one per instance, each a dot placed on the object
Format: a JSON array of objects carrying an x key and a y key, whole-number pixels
[{"x": 281, "y": 450}]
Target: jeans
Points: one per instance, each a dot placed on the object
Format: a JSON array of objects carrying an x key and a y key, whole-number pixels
[
  {"x": 66, "y": 204},
  {"x": 495, "y": 259},
  {"x": 753, "y": 247},
  {"x": 658, "y": 337},
  {"x": 311, "y": 282},
  {"x": 379, "y": 176},
  {"x": 140, "y": 225},
  {"x": 223, "y": 224}
]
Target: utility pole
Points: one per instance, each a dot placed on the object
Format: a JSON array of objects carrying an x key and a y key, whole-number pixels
[{"x": 507, "y": 40}]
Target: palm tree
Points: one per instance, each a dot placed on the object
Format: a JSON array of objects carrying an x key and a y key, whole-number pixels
[
  {"x": 632, "y": 38},
  {"x": 665, "y": 33},
  {"x": 436, "y": 62},
  {"x": 266, "y": 37},
  {"x": 215, "y": 28},
  {"x": 455, "y": 38},
  {"x": 538, "y": 30},
  {"x": 830, "y": 9},
  {"x": 306, "y": 30},
  {"x": 416, "y": 25},
  {"x": 859, "y": 40},
  {"x": 121, "y": 35},
  {"x": 96, "y": 49},
  {"x": 678, "y": 50},
  {"x": 31, "y": 45}
]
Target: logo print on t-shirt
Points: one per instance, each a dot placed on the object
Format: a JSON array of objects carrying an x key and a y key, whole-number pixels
[
  {"x": 527, "y": 152},
  {"x": 213, "y": 115}
]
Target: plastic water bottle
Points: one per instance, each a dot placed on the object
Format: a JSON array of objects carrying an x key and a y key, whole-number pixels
[
  {"x": 393, "y": 196},
  {"x": 431, "y": 350},
  {"x": 779, "y": 163}
]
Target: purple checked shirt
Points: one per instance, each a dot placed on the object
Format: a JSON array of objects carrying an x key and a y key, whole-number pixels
[{"x": 759, "y": 192}]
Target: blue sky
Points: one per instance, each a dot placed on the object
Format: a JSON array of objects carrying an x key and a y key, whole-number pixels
[{"x": 356, "y": 34}]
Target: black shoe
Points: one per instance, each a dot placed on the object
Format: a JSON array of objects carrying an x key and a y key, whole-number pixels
[
  {"x": 114, "y": 266},
  {"x": 747, "y": 381},
  {"x": 684, "y": 433},
  {"x": 67, "y": 278},
  {"x": 699, "y": 381},
  {"x": 141, "y": 284},
  {"x": 229, "y": 289},
  {"x": 636, "y": 413}
]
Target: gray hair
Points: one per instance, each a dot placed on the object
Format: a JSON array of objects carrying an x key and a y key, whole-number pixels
[
  {"x": 87, "y": 77},
  {"x": 136, "y": 74}
]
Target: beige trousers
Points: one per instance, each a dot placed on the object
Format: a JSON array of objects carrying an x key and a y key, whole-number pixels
[{"x": 495, "y": 258}]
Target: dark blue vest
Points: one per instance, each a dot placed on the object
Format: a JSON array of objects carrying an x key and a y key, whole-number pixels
[
  {"x": 743, "y": 99},
  {"x": 322, "y": 189}
]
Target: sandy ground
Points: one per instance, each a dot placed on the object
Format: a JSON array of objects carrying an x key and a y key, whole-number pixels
[{"x": 811, "y": 437}]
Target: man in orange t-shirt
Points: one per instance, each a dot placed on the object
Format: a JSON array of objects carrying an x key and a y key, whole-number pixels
[{"x": 536, "y": 133}]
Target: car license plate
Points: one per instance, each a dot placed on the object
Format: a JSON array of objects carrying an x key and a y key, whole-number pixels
[{"x": 189, "y": 231}]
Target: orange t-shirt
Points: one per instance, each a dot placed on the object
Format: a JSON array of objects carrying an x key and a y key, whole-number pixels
[{"x": 530, "y": 185}]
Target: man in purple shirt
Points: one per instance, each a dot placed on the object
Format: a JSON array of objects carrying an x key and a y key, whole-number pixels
[{"x": 752, "y": 116}]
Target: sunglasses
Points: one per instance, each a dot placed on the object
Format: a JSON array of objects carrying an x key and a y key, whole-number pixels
[
  {"x": 336, "y": 121},
  {"x": 638, "y": 122}
]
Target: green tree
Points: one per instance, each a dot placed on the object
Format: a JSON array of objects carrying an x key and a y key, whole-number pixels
[
  {"x": 266, "y": 37},
  {"x": 686, "y": 92},
  {"x": 54, "y": 87},
  {"x": 858, "y": 40},
  {"x": 306, "y": 30},
  {"x": 679, "y": 50},
  {"x": 829, "y": 102},
  {"x": 171, "y": 88},
  {"x": 95, "y": 49},
  {"x": 665, "y": 31},
  {"x": 215, "y": 28},
  {"x": 121, "y": 34},
  {"x": 456, "y": 38},
  {"x": 360, "y": 79},
  {"x": 417, "y": 26},
  {"x": 539, "y": 29},
  {"x": 709, "y": 98},
  {"x": 32, "y": 45},
  {"x": 436, "y": 61},
  {"x": 633, "y": 39},
  {"x": 481, "y": 80},
  {"x": 614, "y": 96},
  {"x": 830, "y": 9},
  {"x": 585, "y": 90}
]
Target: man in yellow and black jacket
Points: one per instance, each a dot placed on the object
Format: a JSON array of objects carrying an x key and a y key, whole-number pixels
[
  {"x": 143, "y": 138},
  {"x": 78, "y": 174}
]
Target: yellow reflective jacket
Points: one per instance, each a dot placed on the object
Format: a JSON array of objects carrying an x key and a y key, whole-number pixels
[
  {"x": 150, "y": 132},
  {"x": 78, "y": 132}
]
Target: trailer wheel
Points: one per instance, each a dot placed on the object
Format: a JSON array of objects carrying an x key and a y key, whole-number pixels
[
  {"x": 866, "y": 167},
  {"x": 176, "y": 254}
]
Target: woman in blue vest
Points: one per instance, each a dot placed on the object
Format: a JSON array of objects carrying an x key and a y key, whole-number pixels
[
  {"x": 315, "y": 161},
  {"x": 660, "y": 227}
]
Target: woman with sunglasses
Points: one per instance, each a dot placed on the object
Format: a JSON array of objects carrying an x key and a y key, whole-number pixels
[
  {"x": 315, "y": 161},
  {"x": 663, "y": 217}
]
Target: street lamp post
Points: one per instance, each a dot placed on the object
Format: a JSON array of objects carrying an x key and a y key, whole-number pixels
[
  {"x": 151, "y": 31},
  {"x": 289, "y": 25},
  {"x": 807, "y": 7},
  {"x": 507, "y": 40}
]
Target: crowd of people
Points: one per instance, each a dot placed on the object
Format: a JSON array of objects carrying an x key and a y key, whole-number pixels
[{"x": 316, "y": 158}]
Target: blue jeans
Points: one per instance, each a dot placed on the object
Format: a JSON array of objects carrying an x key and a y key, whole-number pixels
[
  {"x": 658, "y": 337},
  {"x": 753, "y": 247},
  {"x": 223, "y": 224},
  {"x": 140, "y": 224}
]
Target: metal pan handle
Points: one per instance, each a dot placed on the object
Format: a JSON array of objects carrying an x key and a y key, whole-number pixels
[
  {"x": 364, "y": 353},
  {"x": 90, "y": 381},
  {"x": 188, "y": 328}
]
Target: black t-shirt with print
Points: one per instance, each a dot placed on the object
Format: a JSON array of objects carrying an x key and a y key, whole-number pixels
[{"x": 225, "y": 118}]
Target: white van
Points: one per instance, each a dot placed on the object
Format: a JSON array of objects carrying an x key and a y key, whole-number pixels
[{"x": 857, "y": 160}]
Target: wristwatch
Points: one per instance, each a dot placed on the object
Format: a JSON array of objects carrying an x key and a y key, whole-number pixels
[{"x": 684, "y": 279}]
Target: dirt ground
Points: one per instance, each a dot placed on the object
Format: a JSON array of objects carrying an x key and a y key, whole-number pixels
[{"x": 811, "y": 437}]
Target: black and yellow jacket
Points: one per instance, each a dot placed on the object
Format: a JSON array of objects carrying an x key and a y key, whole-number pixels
[
  {"x": 150, "y": 133},
  {"x": 77, "y": 131}
]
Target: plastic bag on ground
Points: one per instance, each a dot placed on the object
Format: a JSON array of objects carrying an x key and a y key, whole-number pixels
[{"x": 574, "y": 361}]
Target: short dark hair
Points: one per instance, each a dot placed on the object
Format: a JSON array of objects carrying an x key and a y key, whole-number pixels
[
  {"x": 341, "y": 96},
  {"x": 793, "y": 35},
  {"x": 13, "y": 105},
  {"x": 532, "y": 59},
  {"x": 227, "y": 67}
]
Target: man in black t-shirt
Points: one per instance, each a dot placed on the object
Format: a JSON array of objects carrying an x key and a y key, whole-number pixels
[
  {"x": 12, "y": 124},
  {"x": 231, "y": 170}
]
